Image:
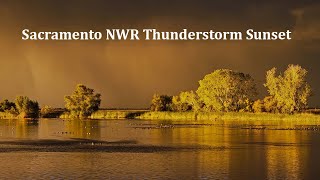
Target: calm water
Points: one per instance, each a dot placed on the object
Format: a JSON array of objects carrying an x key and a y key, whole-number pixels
[{"x": 133, "y": 149}]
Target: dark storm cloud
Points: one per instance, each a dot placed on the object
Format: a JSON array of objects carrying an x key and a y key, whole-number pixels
[{"x": 128, "y": 73}]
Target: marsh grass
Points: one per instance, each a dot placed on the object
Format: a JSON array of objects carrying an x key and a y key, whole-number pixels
[
  {"x": 258, "y": 116},
  {"x": 117, "y": 114},
  {"x": 228, "y": 116},
  {"x": 168, "y": 115},
  {"x": 192, "y": 116}
]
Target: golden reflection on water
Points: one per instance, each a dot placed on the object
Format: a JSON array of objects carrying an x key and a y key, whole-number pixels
[
  {"x": 87, "y": 129},
  {"x": 235, "y": 151},
  {"x": 289, "y": 160},
  {"x": 18, "y": 128}
]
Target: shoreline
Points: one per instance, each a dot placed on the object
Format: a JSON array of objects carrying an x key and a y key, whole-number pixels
[
  {"x": 187, "y": 116},
  {"x": 194, "y": 116}
]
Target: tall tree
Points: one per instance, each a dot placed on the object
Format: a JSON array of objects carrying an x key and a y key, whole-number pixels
[
  {"x": 26, "y": 107},
  {"x": 227, "y": 90},
  {"x": 83, "y": 102},
  {"x": 290, "y": 91}
]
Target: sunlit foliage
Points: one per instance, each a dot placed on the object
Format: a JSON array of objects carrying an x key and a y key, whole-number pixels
[
  {"x": 83, "y": 102},
  {"x": 258, "y": 106},
  {"x": 161, "y": 103},
  {"x": 226, "y": 90},
  {"x": 186, "y": 101},
  {"x": 26, "y": 107},
  {"x": 289, "y": 92},
  {"x": 6, "y": 105}
]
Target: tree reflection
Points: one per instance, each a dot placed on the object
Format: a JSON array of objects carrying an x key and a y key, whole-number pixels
[
  {"x": 87, "y": 129},
  {"x": 26, "y": 128}
]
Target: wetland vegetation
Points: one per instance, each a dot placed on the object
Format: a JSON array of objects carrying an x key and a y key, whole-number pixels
[{"x": 223, "y": 94}]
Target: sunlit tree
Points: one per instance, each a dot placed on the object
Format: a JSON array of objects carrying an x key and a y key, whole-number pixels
[
  {"x": 161, "y": 103},
  {"x": 83, "y": 102},
  {"x": 289, "y": 92},
  {"x": 227, "y": 90},
  {"x": 26, "y": 107}
]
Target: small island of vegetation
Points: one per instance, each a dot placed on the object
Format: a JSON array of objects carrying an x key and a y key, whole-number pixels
[
  {"x": 22, "y": 107},
  {"x": 226, "y": 94}
]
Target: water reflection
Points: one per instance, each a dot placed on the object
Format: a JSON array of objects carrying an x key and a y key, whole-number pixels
[
  {"x": 222, "y": 150},
  {"x": 19, "y": 128},
  {"x": 86, "y": 129}
]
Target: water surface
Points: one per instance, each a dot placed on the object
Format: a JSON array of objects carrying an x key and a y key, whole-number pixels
[{"x": 138, "y": 149}]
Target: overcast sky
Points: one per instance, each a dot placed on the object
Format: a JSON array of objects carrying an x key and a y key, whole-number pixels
[{"x": 128, "y": 73}]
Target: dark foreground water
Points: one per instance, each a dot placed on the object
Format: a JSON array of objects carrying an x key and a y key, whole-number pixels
[{"x": 133, "y": 149}]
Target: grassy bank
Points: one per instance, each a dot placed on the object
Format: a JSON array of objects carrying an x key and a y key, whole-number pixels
[
  {"x": 144, "y": 114},
  {"x": 112, "y": 114},
  {"x": 117, "y": 114},
  {"x": 192, "y": 116},
  {"x": 227, "y": 116}
]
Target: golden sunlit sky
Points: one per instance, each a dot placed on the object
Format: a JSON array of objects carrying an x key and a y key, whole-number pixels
[{"x": 128, "y": 73}]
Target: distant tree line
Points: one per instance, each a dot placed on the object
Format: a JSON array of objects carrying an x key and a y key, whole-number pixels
[{"x": 225, "y": 90}]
